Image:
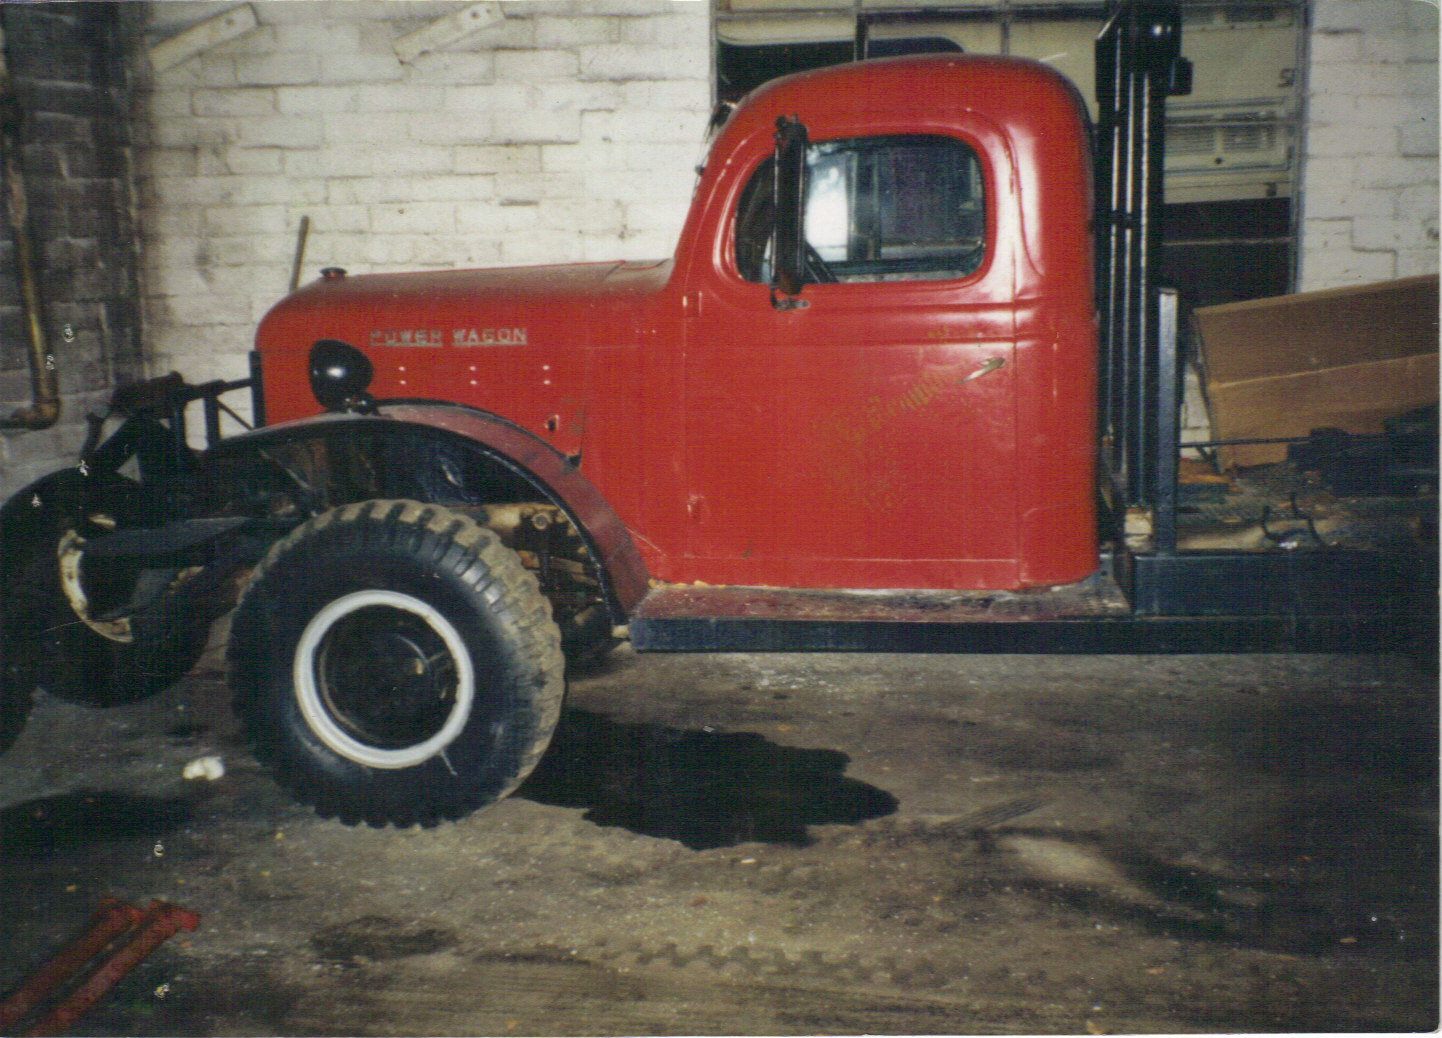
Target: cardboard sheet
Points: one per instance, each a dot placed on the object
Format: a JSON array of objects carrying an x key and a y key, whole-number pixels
[{"x": 1346, "y": 358}]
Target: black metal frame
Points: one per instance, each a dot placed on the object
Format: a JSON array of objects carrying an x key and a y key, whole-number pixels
[
  {"x": 1138, "y": 65},
  {"x": 155, "y": 430},
  {"x": 1130, "y": 635}
]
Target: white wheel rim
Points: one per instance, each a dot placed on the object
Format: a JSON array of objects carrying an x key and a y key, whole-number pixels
[{"x": 312, "y": 698}]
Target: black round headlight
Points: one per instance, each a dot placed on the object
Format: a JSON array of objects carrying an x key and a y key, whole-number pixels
[{"x": 340, "y": 374}]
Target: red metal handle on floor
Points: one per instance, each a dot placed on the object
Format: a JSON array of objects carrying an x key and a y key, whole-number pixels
[{"x": 140, "y": 933}]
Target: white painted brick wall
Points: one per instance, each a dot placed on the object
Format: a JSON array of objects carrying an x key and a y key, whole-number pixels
[
  {"x": 522, "y": 143},
  {"x": 1369, "y": 192},
  {"x": 569, "y": 132}
]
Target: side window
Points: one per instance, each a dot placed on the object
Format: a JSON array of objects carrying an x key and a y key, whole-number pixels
[{"x": 877, "y": 209}]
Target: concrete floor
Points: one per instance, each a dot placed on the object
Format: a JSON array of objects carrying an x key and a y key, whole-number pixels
[{"x": 784, "y": 844}]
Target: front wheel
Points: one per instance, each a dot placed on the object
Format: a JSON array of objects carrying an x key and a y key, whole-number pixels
[{"x": 394, "y": 663}]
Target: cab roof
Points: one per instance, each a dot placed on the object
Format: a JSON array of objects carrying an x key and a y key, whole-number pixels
[{"x": 1014, "y": 92}]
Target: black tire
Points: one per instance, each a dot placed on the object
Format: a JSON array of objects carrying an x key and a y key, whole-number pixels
[
  {"x": 47, "y": 646},
  {"x": 394, "y": 663}
]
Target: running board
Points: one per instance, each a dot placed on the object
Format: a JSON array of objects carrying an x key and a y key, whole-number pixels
[{"x": 1091, "y": 617}]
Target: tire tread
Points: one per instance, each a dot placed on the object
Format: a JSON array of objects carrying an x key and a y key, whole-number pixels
[{"x": 445, "y": 541}]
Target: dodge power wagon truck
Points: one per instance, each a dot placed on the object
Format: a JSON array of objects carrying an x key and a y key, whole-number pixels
[{"x": 903, "y": 377}]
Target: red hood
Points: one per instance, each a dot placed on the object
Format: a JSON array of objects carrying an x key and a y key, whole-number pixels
[{"x": 571, "y": 304}]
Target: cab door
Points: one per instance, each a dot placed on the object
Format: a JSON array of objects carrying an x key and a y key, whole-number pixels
[{"x": 862, "y": 432}]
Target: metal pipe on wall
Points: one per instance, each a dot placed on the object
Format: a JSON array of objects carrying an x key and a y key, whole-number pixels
[{"x": 44, "y": 408}]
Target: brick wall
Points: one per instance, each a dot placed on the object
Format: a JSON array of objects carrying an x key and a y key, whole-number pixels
[
  {"x": 564, "y": 130},
  {"x": 67, "y": 67},
  {"x": 1370, "y": 198}
]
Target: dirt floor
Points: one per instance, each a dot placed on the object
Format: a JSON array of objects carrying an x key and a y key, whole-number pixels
[{"x": 779, "y": 845}]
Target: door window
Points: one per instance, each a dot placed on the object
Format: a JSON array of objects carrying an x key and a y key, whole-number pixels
[{"x": 877, "y": 209}]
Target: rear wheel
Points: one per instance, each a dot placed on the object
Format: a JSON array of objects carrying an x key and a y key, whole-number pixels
[
  {"x": 50, "y": 646},
  {"x": 394, "y": 663}
]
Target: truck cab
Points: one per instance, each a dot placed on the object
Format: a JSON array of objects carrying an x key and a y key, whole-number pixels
[{"x": 918, "y": 412}]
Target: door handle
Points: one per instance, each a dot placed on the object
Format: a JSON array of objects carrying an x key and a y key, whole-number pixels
[{"x": 986, "y": 369}]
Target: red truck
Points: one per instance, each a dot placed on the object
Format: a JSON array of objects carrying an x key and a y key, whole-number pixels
[{"x": 904, "y": 376}]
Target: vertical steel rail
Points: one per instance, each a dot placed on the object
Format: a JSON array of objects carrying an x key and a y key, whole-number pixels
[
  {"x": 1108, "y": 230},
  {"x": 1138, "y": 64},
  {"x": 1169, "y": 425},
  {"x": 1141, "y": 332}
]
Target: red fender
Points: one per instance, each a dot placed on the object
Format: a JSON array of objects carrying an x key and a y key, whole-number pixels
[{"x": 555, "y": 476}]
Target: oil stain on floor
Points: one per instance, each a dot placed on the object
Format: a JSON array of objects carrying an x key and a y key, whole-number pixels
[{"x": 702, "y": 788}]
